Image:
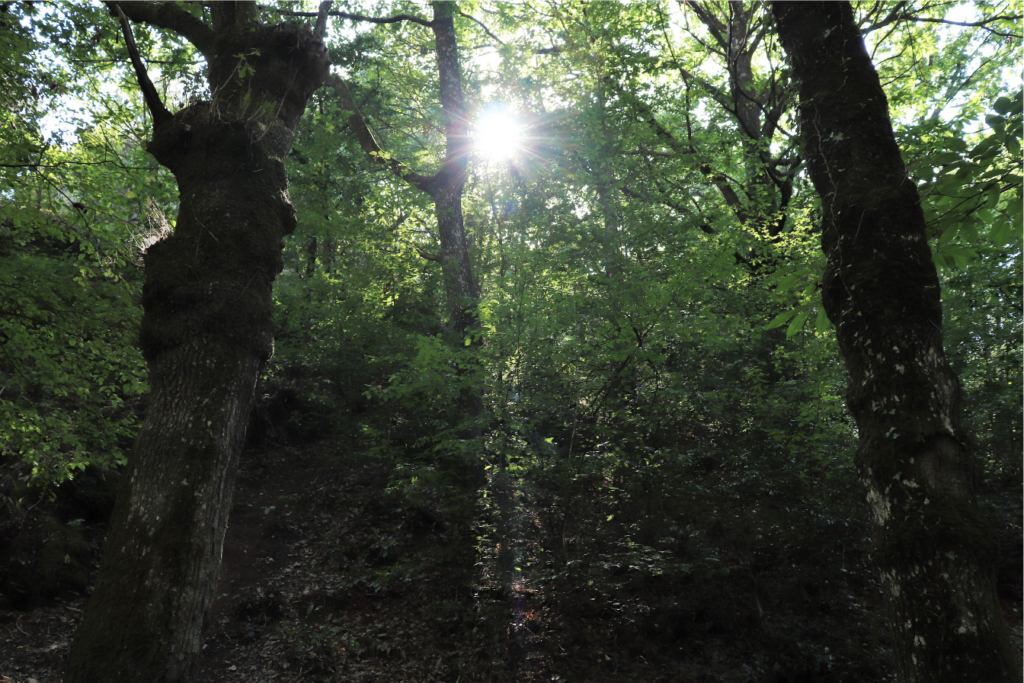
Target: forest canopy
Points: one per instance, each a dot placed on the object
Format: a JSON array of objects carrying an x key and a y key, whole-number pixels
[
  {"x": 576, "y": 252},
  {"x": 628, "y": 230}
]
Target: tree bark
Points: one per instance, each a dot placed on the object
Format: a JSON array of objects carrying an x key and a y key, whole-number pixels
[
  {"x": 934, "y": 552},
  {"x": 460, "y": 287},
  {"x": 206, "y": 332},
  {"x": 446, "y": 186}
]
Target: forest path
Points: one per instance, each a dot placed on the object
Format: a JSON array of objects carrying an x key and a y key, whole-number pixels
[{"x": 528, "y": 657}]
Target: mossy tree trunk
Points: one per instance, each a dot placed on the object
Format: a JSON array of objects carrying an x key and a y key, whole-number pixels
[
  {"x": 206, "y": 333},
  {"x": 934, "y": 552}
]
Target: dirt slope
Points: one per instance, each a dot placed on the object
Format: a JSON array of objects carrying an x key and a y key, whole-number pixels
[{"x": 330, "y": 576}]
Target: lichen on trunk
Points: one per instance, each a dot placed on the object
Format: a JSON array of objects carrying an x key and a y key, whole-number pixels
[{"x": 934, "y": 552}]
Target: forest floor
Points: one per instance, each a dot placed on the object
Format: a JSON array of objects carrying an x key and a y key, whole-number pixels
[{"x": 328, "y": 575}]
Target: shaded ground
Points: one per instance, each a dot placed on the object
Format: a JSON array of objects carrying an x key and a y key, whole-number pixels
[{"x": 331, "y": 576}]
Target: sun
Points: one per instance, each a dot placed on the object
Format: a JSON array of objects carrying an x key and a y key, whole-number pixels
[{"x": 497, "y": 135}]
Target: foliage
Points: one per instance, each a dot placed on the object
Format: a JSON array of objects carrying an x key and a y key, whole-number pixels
[{"x": 79, "y": 202}]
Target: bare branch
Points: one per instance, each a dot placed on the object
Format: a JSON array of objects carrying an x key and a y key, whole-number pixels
[
  {"x": 354, "y": 17},
  {"x": 891, "y": 17},
  {"x": 898, "y": 13},
  {"x": 713, "y": 23},
  {"x": 724, "y": 101},
  {"x": 427, "y": 255},
  {"x": 974, "y": 24},
  {"x": 384, "y": 20},
  {"x": 481, "y": 25},
  {"x": 149, "y": 93},
  {"x": 170, "y": 16}
]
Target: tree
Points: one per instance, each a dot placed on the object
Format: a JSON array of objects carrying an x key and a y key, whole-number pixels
[
  {"x": 756, "y": 101},
  {"x": 933, "y": 550},
  {"x": 445, "y": 186},
  {"x": 206, "y": 332},
  {"x": 66, "y": 311}
]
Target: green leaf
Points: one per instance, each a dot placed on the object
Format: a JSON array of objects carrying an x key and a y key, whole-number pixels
[
  {"x": 944, "y": 158},
  {"x": 822, "y": 323},
  {"x": 797, "y": 324},
  {"x": 1001, "y": 232},
  {"x": 790, "y": 281},
  {"x": 780, "y": 320},
  {"x": 1013, "y": 146},
  {"x": 1004, "y": 105}
]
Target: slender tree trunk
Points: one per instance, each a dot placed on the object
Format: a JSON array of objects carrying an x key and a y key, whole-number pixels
[
  {"x": 932, "y": 548},
  {"x": 206, "y": 333},
  {"x": 446, "y": 186},
  {"x": 460, "y": 287}
]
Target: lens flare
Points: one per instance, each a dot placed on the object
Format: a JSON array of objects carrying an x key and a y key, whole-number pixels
[{"x": 497, "y": 135}]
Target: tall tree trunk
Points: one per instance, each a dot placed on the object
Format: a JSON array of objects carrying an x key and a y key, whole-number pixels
[
  {"x": 206, "y": 333},
  {"x": 932, "y": 548},
  {"x": 446, "y": 186}
]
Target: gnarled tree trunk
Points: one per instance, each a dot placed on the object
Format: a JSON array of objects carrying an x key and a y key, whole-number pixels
[
  {"x": 932, "y": 548},
  {"x": 206, "y": 333}
]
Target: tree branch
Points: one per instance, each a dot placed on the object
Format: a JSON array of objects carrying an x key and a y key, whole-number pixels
[
  {"x": 149, "y": 93},
  {"x": 368, "y": 142},
  {"x": 973, "y": 24},
  {"x": 481, "y": 25},
  {"x": 713, "y": 23},
  {"x": 899, "y": 13},
  {"x": 663, "y": 199},
  {"x": 169, "y": 16},
  {"x": 732, "y": 199},
  {"x": 354, "y": 17},
  {"x": 427, "y": 255},
  {"x": 724, "y": 101},
  {"x": 894, "y": 15},
  {"x": 384, "y": 20},
  {"x": 321, "y": 20},
  {"x": 60, "y": 164}
]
